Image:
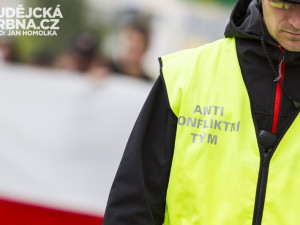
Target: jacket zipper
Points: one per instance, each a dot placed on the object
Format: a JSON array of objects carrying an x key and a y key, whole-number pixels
[
  {"x": 278, "y": 94},
  {"x": 263, "y": 174},
  {"x": 266, "y": 155}
]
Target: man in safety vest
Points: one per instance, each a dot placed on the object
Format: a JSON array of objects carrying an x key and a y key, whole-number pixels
[{"x": 217, "y": 141}]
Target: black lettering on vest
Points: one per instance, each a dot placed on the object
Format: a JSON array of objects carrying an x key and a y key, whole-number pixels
[
  {"x": 181, "y": 120},
  {"x": 222, "y": 111},
  {"x": 202, "y": 137},
  {"x": 205, "y": 126},
  {"x": 212, "y": 139},
  {"x": 217, "y": 124},
  {"x": 216, "y": 109},
  {"x": 194, "y": 137},
  {"x": 190, "y": 121},
  {"x": 200, "y": 123},
  {"x": 206, "y": 110},
  {"x": 238, "y": 127},
  {"x": 226, "y": 125},
  {"x": 233, "y": 127},
  {"x": 198, "y": 110}
]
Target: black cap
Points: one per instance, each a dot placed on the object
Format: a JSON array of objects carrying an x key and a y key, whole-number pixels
[{"x": 292, "y": 1}]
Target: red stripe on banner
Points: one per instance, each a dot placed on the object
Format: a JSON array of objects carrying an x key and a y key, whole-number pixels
[{"x": 15, "y": 213}]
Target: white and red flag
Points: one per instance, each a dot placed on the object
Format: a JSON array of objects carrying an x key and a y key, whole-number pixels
[{"x": 61, "y": 140}]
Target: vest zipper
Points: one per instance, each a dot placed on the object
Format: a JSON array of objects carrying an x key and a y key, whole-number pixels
[
  {"x": 266, "y": 155},
  {"x": 264, "y": 171},
  {"x": 261, "y": 187}
]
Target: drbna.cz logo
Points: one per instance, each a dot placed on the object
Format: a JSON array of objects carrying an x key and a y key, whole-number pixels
[{"x": 30, "y": 21}]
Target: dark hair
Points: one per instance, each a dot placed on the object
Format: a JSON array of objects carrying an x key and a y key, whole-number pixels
[
  {"x": 137, "y": 22},
  {"x": 85, "y": 44},
  {"x": 137, "y": 26}
]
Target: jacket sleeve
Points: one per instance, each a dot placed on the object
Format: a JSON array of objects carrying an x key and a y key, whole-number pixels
[{"x": 138, "y": 193}]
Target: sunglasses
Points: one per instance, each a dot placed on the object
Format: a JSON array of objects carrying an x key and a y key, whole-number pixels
[{"x": 281, "y": 5}]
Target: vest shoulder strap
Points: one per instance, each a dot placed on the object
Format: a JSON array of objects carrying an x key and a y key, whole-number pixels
[{"x": 182, "y": 68}]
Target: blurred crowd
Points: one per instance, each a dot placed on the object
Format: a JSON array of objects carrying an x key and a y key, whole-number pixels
[{"x": 84, "y": 53}]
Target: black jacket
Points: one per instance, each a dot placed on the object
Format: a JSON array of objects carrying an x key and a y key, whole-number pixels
[{"x": 139, "y": 190}]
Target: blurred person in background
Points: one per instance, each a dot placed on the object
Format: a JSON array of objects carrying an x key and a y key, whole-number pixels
[
  {"x": 84, "y": 57},
  {"x": 132, "y": 44},
  {"x": 42, "y": 59},
  {"x": 216, "y": 141},
  {"x": 7, "y": 51}
]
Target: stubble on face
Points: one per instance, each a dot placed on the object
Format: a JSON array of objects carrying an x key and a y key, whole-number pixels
[{"x": 283, "y": 25}]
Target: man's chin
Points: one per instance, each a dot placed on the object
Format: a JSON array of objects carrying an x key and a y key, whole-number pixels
[
  {"x": 293, "y": 49},
  {"x": 291, "y": 45}
]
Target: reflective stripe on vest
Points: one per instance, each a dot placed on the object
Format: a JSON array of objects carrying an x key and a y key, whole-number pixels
[{"x": 216, "y": 160}]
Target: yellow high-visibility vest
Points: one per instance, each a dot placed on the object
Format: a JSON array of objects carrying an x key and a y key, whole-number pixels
[{"x": 217, "y": 175}]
